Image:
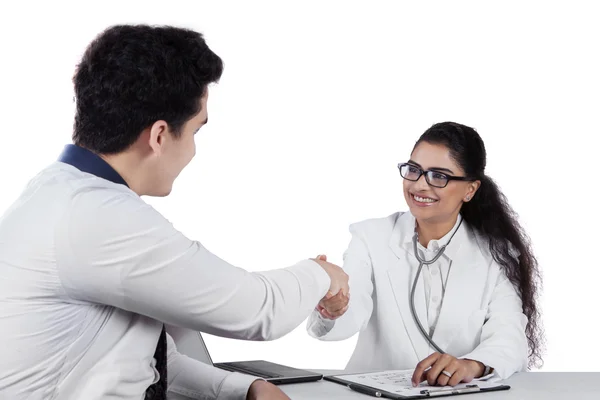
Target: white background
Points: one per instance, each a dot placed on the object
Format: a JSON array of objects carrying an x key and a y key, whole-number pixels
[{"x": 318, "y": 103}]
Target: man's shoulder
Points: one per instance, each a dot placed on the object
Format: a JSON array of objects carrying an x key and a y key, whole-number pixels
[
  {"x": 98, "y": 209},
  {"x": 67, "y": 189},
  {"x": 68, "y": 180}
]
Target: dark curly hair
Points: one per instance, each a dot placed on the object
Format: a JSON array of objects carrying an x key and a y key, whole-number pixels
[
  {"x": 131, "y": 76},
  {"x": 491, "y": 216}
]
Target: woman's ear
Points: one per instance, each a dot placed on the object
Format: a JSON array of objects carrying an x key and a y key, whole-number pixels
[{"x": 471, "y": 190}]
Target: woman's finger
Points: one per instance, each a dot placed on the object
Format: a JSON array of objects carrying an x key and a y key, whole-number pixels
[
  {"x": 422, "y": 366},
  {"x": 436, "y": 369}
]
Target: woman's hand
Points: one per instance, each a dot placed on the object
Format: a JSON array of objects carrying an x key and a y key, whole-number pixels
[
  {"x": 443, "y": 365},
  {"x": 333, "y": 306}
]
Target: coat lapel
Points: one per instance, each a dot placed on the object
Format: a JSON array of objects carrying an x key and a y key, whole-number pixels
[
  {"x": 462, "y": 252},
  {"x": 402, "y": 280},
  {"x": 457, "y": 303}
]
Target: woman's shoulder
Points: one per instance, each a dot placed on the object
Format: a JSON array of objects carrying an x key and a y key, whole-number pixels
[
  {"x": 482, "y": 244},
  {"x": 379, "y": 226}
]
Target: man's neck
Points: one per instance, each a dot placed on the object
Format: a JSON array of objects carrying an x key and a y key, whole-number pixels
[
  {"x": 429, "y": 230},
  {"x": 126, "y": 165}
]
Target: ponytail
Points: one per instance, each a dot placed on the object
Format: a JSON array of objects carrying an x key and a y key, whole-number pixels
[{"x": 490, "y": 215}]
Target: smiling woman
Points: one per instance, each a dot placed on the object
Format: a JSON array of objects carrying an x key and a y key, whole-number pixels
[
  {"x": 465, "y": 256},
  {"x": 436, "y": 200}
]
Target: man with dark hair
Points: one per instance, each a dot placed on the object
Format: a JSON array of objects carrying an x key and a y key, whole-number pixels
[{"x": 92, "y": 278}]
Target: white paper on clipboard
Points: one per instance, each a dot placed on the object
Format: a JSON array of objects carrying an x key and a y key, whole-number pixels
[{"x": 399, "y": 382}]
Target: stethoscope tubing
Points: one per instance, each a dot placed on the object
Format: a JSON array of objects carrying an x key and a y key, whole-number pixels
[{"x": 414, "y": 285}]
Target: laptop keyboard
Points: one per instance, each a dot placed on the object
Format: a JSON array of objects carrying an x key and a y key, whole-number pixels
[{"x": 253, "y": 371}]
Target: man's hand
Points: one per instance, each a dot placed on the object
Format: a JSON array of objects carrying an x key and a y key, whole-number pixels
[
  {"x": 459, "y": 370},
  {"x": 339, "y": 279},
  {"x": 263, "y": 390}
]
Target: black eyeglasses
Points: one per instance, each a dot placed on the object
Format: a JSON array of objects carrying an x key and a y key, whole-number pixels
[{"x": 434, "y": 178}]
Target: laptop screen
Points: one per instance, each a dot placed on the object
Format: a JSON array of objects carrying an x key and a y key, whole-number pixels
[{"x": 192, "y": 345}]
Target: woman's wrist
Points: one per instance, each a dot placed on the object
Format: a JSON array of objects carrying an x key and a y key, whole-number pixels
[{"x": 476, "y": 367}]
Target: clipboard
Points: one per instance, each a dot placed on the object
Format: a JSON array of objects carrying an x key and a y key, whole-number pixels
[{"x": 424, "y": 392}]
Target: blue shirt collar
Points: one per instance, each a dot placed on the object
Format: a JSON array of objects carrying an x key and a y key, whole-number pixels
[{"x": 87, "y": 161}]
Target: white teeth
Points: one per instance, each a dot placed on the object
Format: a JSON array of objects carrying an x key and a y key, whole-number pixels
[{"x": 423, "y": 199}]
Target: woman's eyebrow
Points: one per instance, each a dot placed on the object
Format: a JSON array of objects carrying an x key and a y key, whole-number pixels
[{"x": 432, "y": 169}]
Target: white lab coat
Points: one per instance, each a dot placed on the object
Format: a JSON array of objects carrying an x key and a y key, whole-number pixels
[{"x": 481, "y": 316}]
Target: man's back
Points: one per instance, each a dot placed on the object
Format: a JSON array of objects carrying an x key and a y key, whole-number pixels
[
  {"x": 88, "y": 275},
  {"x": 33, "y": 318},
  {"x": 54, "y": 340}
]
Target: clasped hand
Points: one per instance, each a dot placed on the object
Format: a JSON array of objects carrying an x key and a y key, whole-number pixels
[{"x": 335, "y": 302}]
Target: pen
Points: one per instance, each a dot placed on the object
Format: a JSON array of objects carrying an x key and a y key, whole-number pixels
[
  {"x": 443, "y": 392},
  {"x": 365, "y": 390}
]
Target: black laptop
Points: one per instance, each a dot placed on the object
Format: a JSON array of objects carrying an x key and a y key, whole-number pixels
[{"x": 271, "y": 372}]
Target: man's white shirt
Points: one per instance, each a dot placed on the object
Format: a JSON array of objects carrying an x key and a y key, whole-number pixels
[{"x": 89, "y": 272}]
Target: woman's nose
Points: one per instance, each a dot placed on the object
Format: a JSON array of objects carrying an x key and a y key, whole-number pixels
[{"x": 421, "y": 183}]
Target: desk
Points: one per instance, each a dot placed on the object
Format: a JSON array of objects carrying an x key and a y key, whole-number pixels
[{"x": 524, "y": 386}]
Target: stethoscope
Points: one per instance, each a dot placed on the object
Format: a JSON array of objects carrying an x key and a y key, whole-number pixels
[{"x": 412, "y": 292}]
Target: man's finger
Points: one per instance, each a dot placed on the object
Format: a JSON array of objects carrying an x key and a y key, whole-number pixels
[
  {"x": 331, "y": 297},
  {"x": 326, "y": 314},
  {"x": 337, "y": 308},
  {"x": 334, "y": 308},
  {"x": 338, "y": 296},
  {"x": 334, "y": 301},
  {"x": 339, "y": 313}
]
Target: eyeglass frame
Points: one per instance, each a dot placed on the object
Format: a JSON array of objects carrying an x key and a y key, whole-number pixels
[{"x": 423, "y": 172}]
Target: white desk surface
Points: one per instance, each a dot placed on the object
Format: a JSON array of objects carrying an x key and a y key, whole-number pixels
[{"x": 525, "y": 386}]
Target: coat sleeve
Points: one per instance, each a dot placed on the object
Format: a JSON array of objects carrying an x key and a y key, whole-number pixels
[
  {"x": 357, "y": 264},
  {"x": 503, "y": 344}
]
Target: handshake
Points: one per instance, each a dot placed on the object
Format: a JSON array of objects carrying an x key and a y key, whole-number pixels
[{"x": 335, "y": 302}]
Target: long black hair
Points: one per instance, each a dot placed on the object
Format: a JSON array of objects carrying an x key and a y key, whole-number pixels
[{"x": 491, "y": 216}]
